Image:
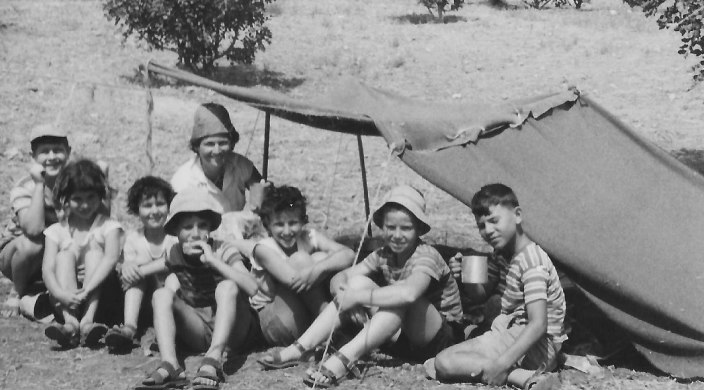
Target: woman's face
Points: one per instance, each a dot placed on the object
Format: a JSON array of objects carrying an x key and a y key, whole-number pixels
[{"x": 213, "y": 149}]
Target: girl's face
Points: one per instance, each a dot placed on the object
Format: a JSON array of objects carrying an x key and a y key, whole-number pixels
[
  {"x": 213, "y": 149},
  {"x": 399, "y": 232},
  {"x": 192, "y": 228},
  {"x": 153, "y": 211},
  {"x": 84, "y": 204},
  {"x": 52, "y": 156},
  {"x": 285, "y": 226}
]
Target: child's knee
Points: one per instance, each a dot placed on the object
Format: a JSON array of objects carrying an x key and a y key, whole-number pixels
[
  {"x": 301, "y": 259},
  {"x": 226, "y": 291},
  {"x": 92, "y": 258},
  {"x": 452, "y": 364},
  {"x": 162, "y": 297},
  {"x": 361, "y": 282},
  {"x": 319, "y": 256},
  {"x": 28, "y": 248}
]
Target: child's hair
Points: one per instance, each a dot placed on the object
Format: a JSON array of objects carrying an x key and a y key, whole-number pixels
[
  {"x": 278, "y": 199},
  {"x": 48, "y": 139},
  {"x": 492, "y": 195},
  {"x": 81, "y": 175},
  {"x": 145, "y": 188}
]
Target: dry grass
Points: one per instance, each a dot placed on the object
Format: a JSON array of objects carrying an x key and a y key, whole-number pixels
[{"x": 60, "y": 60}]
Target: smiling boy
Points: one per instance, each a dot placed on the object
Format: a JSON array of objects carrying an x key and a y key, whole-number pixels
[
  {"x": 526, "y": 337},
  {"x": 32, "y": 211}
]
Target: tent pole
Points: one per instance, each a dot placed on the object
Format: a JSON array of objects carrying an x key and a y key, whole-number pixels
[
  {"x": 265, "y": 163},
  {"x": 360, "y": 147}
]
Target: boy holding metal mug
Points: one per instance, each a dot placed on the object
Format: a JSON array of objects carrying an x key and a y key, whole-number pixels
[{"x": 526, "y": 337}]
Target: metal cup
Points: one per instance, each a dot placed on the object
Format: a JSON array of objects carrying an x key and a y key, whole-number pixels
[{"x": 474, "y": 269}]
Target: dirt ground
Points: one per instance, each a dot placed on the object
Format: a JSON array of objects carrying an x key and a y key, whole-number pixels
[{"x": 62, "y": 61}]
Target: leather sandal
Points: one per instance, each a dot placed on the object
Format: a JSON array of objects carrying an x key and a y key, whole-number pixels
[
  {"x": 332, "y": 379},
  {"x": 66, "y": 336},
  {"x": 274, "y": 361},
  {"x": 158, "y": 381},
  {"x": 120, "y": 337},
  {"x": 218, "y": 377}
]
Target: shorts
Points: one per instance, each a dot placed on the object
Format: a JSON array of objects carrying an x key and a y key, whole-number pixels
[
  {"x": 202, "y": 340},
  {"x": 503, "y": 334},
  {"x": 449, "y": 334},
  {"x": 284, "y": 319}
]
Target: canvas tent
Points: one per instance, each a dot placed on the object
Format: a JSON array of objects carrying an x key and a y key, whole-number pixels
[{"x": 622, "y": 217}]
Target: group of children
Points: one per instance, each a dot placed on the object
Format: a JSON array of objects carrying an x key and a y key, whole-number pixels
[{"x": 213, "y": 290}]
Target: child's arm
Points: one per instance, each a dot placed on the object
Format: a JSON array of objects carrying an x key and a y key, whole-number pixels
[
  {"x": 172, "y": 283},
  {"x": 476, "y": 292},
  {"x": 31, "y": 219},
  {"x": 397, "y": 295},
  {"x": 338, "y": 258},
  {"x": 277, "y": 266},
  {"x": 108, "y": 262},
  {"x": 236, "y": 272},
  {"x": 67, "y": 298},
  {"x": 497, "y": 371}
]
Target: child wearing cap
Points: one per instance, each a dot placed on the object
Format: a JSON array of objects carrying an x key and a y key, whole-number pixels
[
  {"x": 22, "y": 247},
  {"x": 144, "y": 253},
  {"x": 526, "y": 337},
  {"x": 204, "y": 299},
  {"x": 407, "y": 286},
  {"x": 216, "y": 167}
]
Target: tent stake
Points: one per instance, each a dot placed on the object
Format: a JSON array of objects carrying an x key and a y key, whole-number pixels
[
  {"x": 360, "y": 147},
  {"x": 265, "y": 163}
]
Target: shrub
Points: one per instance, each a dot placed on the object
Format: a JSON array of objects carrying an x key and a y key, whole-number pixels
[
  {"x": 441, "y": 6},
  {"x": 199, "y": 31},
  {"x": 684, "y": 16}
]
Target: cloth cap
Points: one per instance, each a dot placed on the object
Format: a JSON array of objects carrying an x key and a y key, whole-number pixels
[
  {"x": 47, "y": 130},
  {"x": 211, "y": 119},
  {"x": 193, "y": 200},
  {"x": 411, "y": 199}
]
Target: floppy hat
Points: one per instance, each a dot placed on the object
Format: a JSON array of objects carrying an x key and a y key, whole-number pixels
[
  {"x": 47, "y": 130},
  {"x": 212, "y": 119},
  {"x": 193, "y": 200},
  {"x": 411, "y": 199}
]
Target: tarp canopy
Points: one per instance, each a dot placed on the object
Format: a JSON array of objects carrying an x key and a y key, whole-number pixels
[{"x": 619, "y": 215}]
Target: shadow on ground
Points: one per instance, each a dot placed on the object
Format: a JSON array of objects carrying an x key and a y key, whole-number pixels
[
  {"x": 694, "y": 158},
  {"x": 415, "y": 18},
  {"x": 239, "y": 75}
]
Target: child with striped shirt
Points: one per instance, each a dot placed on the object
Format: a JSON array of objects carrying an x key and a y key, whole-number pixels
[{"x": 526, "y": 337}]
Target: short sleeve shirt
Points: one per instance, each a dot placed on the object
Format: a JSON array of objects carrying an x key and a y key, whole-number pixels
[
  {"x": 21, "y": 198},
  {"x": 137, "y": 248},
  {"x": 307, "y": 241},
  {"x": 198, "y": 283},
  {"x": 442, "y": 292},
  {"x": 238, "y": 171},
  {"x": 531, "y": 276},
  {"x": 60, "y": 233}
]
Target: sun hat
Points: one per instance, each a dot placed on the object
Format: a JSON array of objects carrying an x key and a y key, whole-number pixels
[
  {"x": 411, "y": 199},
  {"x": 47, "y": 130},
  {"x": 212, "y": 119},
  {"x": 193, "y": 200}
]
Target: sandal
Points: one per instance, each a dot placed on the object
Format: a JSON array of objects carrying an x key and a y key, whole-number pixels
[
  {"x": 120, "y": 337},
  {"x": 276, "y": 363},
  {"x": 157, "y": 381},
  {"x": 218, "y": 377},
  {"x": 93, "y": 335},
  {"x": 332, "y": 379},
  {"x": 66, "y": 336}
]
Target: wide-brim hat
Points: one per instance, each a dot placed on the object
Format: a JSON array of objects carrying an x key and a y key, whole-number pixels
[
  {"x": 47, "y": 130},
  {"x": 212, "y": 119},
  {"x": 411, "y": 199},
  {"x": 193, "y": 200}
]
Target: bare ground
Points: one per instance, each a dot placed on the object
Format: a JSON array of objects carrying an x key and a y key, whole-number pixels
[{"x": 62, "y": 61}]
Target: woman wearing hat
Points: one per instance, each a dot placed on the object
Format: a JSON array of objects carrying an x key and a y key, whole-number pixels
[
  {"x": 215, "y": 166},
  {"x": 406, "y": 285}
]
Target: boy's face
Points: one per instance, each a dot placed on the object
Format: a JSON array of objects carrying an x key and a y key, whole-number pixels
[
  {"x": 213, "y": 149},
  {"x": 84, "y": 204},
  {"x": 285, "y": 226},
  {"x": 399, "y": 231},
  {"x": 153, "y": 211},
  {"x": 192, "y": 228},
  {"x": 52, "y": 156},
  {"x": 499, "y": 227}
]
